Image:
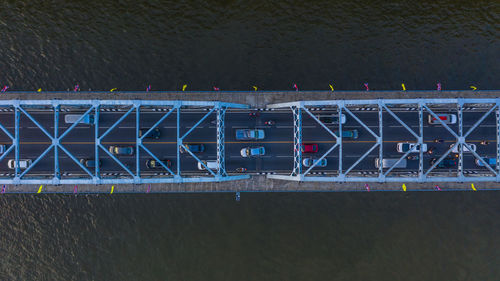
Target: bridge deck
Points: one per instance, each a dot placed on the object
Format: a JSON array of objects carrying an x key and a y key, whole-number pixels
[{"x": 262, "y": 99}]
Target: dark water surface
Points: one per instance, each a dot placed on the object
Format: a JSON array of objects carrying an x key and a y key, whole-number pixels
[{"x": 234, "y": 45}]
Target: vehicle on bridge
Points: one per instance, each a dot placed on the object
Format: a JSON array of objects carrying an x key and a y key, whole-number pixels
[
  {"x": 72, "y": 118},
  {"x": 154, "y": 134},
  {"x": 446, "y": 163},
  {"x": 252, "y": 151},
  {"x": 153, "y": 164},
  {"x": 351, "y": 134},
  {"x": 332, "y": 119},
  {"x": 194, "y": 148},
  {"x": 309, "y": 148},
  {"x": 90, "y": 163},
  {"x": 464, "y": 148},
  {"x": 212, "y": 165},
  {"x": 23, "y": 164},
  {"x": 308, "y": 162},
  {"x": 491, "y": 161},
  {"x": 121, "y": 150},
  {"x": 403, "y": 147},
  {"x": 446, "y": 118},
  {"x": 250, "y": 134},
  {"x": 388, "y": 162}
]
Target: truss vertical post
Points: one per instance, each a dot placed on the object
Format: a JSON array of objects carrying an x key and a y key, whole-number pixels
[
  {"x": 221, "y": 157},
  {"x": 461, "y": 139},
  {"x": 97, "y": 142},
  {"x": 340, "y": 142},
  {"x": 381, "y": 143},
  {"x": 57, "y": 172},
  {"x": 179, "y": 142},
  {"x": 16, "y": 141},
  {"x": 497, "y": 112},
  {"x": 421, "y": 174},
  {"x": 138, "y": 142},
  {"x": 297, "y": 140}
]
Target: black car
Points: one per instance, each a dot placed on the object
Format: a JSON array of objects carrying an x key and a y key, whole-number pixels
[
  {"x": 153, "y": 164},
  {"x": 194, "y": 148},
  {"x": 90, "y": 163},
  {"x": 446, "y": 163},
  {"x": 154, "y": 134}
]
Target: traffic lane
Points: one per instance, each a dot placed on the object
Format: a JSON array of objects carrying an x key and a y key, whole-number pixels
[
  {"x": 271, "y": 148},
  {"x": 234, "y": 162},
  {"x": 279, "y": 164},
  {"x": 243, "y": 119},
  {"x": 271, "y": 133}
]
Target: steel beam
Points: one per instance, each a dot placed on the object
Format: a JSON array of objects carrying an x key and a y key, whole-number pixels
[
  {"x": 57, "y": 172},
  {"x": 221, "y": 156},
  {"x": 461, "y": 139},
  {"x": 297, "y": 141},
  {"x": 497, "y": 135},
  {"x": 381, "y": 135}
]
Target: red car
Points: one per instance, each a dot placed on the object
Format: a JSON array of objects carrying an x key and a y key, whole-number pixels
[{"x": 309, "y": 148}]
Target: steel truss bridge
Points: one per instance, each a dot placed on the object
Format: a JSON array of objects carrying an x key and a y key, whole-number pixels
[
  {"x": 95, "y": 107},
  {"x": 391, "y": 107},
  {"x": 381, "y": 108}
]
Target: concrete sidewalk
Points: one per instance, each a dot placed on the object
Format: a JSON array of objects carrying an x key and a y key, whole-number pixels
[{"x": 257, "y": 99}]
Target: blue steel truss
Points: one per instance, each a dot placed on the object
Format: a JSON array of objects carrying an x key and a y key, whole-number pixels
[
  {"x": 382, "y": 105},
  {"x": 94, "y": 107}
]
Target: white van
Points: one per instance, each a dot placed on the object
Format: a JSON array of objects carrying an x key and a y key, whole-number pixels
[
  {"x": 388, "y": 162},
  {"x": 465, "y": 149},
  {"x": 212, "y": 165},
  {"x": 72, "y": 118}
]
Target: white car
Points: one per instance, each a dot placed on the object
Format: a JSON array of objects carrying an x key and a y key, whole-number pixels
[
  {"x": 252, "y": 151},
  {"x": 23, "y": 164},
  {"x": 212, "y": 165},
  {"x": 465, "y": 149},
  {"x": 446, "y": 118},
  {"x": 403, "y": 147}
]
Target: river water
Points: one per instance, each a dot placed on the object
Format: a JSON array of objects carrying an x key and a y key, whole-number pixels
[{"x": 235, "y": 45}]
